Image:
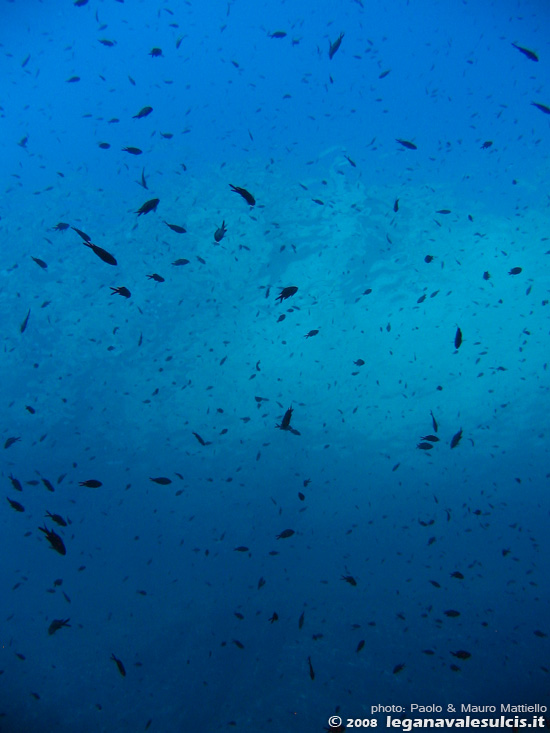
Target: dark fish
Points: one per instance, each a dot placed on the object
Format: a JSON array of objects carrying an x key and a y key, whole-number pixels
[
  {"x": 241, "y": 548},
  {"x": 456, "y": 438},
  {"x": 335, "y": 45},
  {"x": 40, "y": 263},
  {"x": 451, "y": 614},
  {"x": 458, "y": 338},
  {"x": 57, "y": 519},
  {"x": 61, "y": 226},
  {"x": 443, "y": 211},
  {"x": 121, "y": 291},
  {"x": 486, "y": 275},
  {"x": 285, "y": 534},
  {"x": 54, "y": 539},
  {"x": 175, "y": 227},
  {"x": 15, "y": 483},
  {"x": 396, "y": 205},
  {"x": 406, "y": 144},
  {"x": 428, "y": 259},
  {"x": 73, "y": 79},
  {"x": 542, "y": 107},
  {"x": 526, "y": 52},
  {"x": 513, "y": 271},
  {"x": 10, "y": 441},
  {"x": 107, "y": 42},
  {"x": 425, "y": 446},
  {"x": 434, "y": 423},
  {"x": 119, "y": 665},
  {"x": 148, "y": 206},
  {"x": 132, "y": 150},
  {"x": 102, "y": 253},
  {"x": 248, "y": 197},
  {"x": 350, "y": 161},
  {"x": 384, "y": 74},
  {"x": 15, "y": 505},
  {"x": 274, "y": 618},
  {"x": 201, "y": 441},
  {"x": 398, "y": 668},
  {"x": 277, "y": 34},
  {"x": 81, "y": 234},
  {"x": 23, "y": 326},
  {"x": 311, "y": 672},
  {"x": 359, "y": 362},
  {"x": 285, "y": 422},
  {"x": 91, "y": 483},
  {"x": 360, "y": 645},
  {"x": 162, "y": 480},
  {"x": 156, "y": 278},
  {"x": 431, "y": 438},
  {"x": 461, "y": 654},
  {"x": 155, "y": 52},
  {"x": 349, "y": 579},
  {"x": 143, "y": 182},
  {"x": 435, "y": 584},
  {"x": 220, "y": 232},
  {"x": 180, "y": 262},
  {"x": 57, "y": 624},
  {"x": 286, "y": 293},
  {"x": 143, "y": 112},
  {"x": 457, "y": 574},
  {"x": 30, "y": 409},
  {"x": 487, "y": 144},
  {"x": 314, "y": 332},
  {"x": 104, "y": 146},
  {"x": 301, "y": 620}
]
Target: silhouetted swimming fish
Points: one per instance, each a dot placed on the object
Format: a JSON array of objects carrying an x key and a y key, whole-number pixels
[
  {"x": 526, "y": 52},
  {"x": 247, "y": 196}
]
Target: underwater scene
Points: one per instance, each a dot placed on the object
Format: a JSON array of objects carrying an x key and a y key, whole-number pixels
[{"x": 275, "y": 306}]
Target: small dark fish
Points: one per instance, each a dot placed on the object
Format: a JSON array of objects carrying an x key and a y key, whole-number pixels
[
  {"x": 148, "y": 206},
  {"x": 248, "y": 197},
  {"x": 119, "y": 665},
  {"x": 57, "y": 624},
  {"x": 311, "y": 672},
  {"x": 241, "y": 548},
  {"x": 457, "y": 574},
  {"x": 384, "y": 74},
  {"x": 349, "y": 579},
  {"x": 201, "y": 441},
  {"x": 155, "y": 52},
  {"x": 81, "y": 234},
  {"x": 359, "y": 362},
  {"x": 132, "y": 150},
  {"x": 54, "y": 539},
  {"x": 542, "y": 107},
  {"x": 461, "y": 654},
  {"x": 73, "y": 79},
  {"x": 360, "y": 645},
  {"x": 104, "y": 146},
  {"x": 274, "y": 618},
  {"x": 350, "y": 161},
  {"x": 435, "y": 584},
  {"x": 434, "y": 422},
  {"x": 540, "y": 634},
  {"x": 48, "y": 484},
  {"x": 121, "y": 291},
  {"x": 335, "y": 45},
  {"x": 396, "y": 205},
  {"x": 486, "y": 275},
  {"x": 443, "y": 211},
  {"x": 61, "y": 226},
  {"x": 180, "y": 262},
  {"x": 526, "y": 52},
  {"x": 398, "y": 668},
  {"x": 301, "y": 620},
  {"x": 40, "y": 263},
  {"x": 102, "y": 253},
  {"x": 452, "y": 614},
  {"x": 156, "y": 278},
  {"x": 91, "y": 483},
  {"x": 10, "y": 441},
  {"x": 314, "y": 332},
  {"x": 286, "y": 293},
  {"x": 162, "y": 480},
  {"x": 285, "y": 422},
  {"x": 57, "y": 519},
  {"x": 15, "y": 483},
  {"x": 285, "y": 534},
  {"x": 107, "y": 42},
  {"x": 407, "y": 144},
  {"x": 15, "y": 505},
  {"x": 143, "y": 182},
  {"x": 23, "y": 326},
  {"x": 428, "y": 259},
  {"x": 425, "y": 446},
  {"x": 513, "y": 271},
  {"x": 458, "y": 338},
  {"x": 143, "y": 112},
  {"x": 175, "y": 227},
  {"x": 431, "y": 438},
  {"x": 487, "y": 144},
  {"x": 456, "y": 438},
  {"x": 278, "y": 34},
  {"x": 219, "y": 234}
]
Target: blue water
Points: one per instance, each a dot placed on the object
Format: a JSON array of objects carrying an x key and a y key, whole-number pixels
[{"x": 118, "y": 386}]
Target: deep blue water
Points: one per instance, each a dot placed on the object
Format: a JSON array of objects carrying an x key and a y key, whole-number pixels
[{"x": 394, "y": 249}]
